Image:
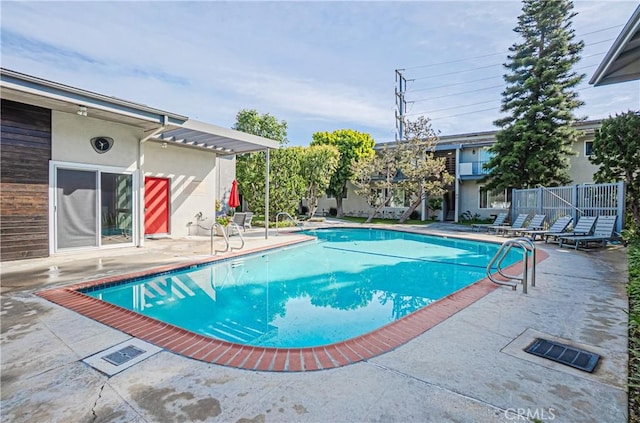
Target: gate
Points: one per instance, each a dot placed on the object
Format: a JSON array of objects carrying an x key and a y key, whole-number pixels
[{"x": 572, "y": 200}]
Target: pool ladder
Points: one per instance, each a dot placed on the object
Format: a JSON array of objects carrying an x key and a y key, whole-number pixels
[
  {"x": 527, "y": 247},
  {"x": 234, "y": 227}
]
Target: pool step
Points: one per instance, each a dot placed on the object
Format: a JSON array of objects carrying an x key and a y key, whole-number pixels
[{"x": 238, "y": 332}]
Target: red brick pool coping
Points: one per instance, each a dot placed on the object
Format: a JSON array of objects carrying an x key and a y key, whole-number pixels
[{"x": 199, "y": 347}]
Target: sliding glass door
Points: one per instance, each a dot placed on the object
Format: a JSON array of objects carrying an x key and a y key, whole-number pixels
[
  {"x": 117, "y": 208},
  {"x": 92, "y": 208},
  {"x": 76, "y": 208}
]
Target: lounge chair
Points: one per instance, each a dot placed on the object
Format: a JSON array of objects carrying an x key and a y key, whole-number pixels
[
  {"x": 536, "y": 223},
  {"x": 238, "y": 218},
  {"x": 247, "y": 221},
  {"x": 605, "y": 226},
  {"x": 517, "y": 224},
  {"x": 498, "y": 222},
  {"x": 582, "y": 228},
  {"x": 558, "y": 227}
]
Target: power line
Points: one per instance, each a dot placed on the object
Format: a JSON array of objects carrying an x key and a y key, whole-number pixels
[
  {"x": 458, "y": 93},
  {"x": 451, "y": 108},
  {"x": 489, "y": 66},
  {"x": 455, "y": 83},
  {"x": 468, "y": 105},
  {"x": 502, "y": 52},
  {"x": 462, "y": 71},
  {"x": 463, "y": 114},
  {"x": 480, "y": 79},
  {"x": 599, "y": 30},
  {"x": 456, "y": 61}
]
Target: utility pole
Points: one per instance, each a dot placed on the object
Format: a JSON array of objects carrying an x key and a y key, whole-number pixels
[{"x": 401, "y": 104}]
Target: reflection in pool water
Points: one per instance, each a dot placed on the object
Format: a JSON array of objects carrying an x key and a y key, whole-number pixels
[{"x": 347, "y": 283}]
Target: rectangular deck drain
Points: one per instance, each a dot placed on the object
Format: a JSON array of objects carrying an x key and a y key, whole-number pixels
[
  {"x": 122, "y": 356},
  {"x": 565, "y": 354}
]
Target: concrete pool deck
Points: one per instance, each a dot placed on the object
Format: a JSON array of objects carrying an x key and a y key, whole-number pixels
[{"x": 469, "y": 368}]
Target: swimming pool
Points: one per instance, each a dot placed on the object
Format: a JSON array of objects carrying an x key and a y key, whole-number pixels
[{"x": 346, "y": 283}]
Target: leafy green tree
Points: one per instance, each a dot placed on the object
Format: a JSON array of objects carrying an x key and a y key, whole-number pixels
[
  {"x": 425, "y": 176},
  {"x": 262, "y": 125},
  {"x": 353, "y": 146},
  {"x": 318, "y": 163},
  {"x": 286, "y": 186},
  {"x": 616, "y": 149},
  {"x": 534, "y": 144},
  {"x": 375, "y": 178}
]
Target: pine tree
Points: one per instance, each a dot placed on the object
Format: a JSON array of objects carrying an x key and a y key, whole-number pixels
[{"x": 533, "y": 146}]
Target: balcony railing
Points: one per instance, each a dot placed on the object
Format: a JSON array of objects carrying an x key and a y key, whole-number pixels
[{"x": 472, "y": 168}]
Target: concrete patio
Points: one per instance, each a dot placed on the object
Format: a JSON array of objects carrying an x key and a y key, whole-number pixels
[{"x": 470, "y": 368}]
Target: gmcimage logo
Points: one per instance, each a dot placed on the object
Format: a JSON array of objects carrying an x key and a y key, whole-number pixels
[{"x": 529, "y": 414}]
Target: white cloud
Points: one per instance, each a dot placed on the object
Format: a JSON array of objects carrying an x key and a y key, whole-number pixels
[{"x": 319, "y": 65}]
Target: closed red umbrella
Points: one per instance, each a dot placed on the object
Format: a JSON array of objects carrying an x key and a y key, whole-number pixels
[{"x": 234, "y": 197}]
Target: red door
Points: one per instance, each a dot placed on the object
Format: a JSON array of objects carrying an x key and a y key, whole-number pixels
[{"x": 156, "y": 205}]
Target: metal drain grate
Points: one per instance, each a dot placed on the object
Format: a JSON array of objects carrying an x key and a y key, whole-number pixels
[
  {"x": 565, "y": 354},
  {"x": 122, "y": 356}
]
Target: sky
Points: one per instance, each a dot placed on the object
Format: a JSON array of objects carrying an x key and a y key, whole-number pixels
[{"x": 319, "y": 66}]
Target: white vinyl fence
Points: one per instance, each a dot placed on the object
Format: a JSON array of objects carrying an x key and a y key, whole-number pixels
[{"x": 572, "y": 200}]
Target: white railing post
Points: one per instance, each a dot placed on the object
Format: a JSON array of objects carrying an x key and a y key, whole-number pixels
[{"x": 621, "y": 206}]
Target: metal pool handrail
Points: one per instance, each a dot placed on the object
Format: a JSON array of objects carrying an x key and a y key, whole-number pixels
[
  {"x": 224, "y": 235},
  {"x": 527, "y": 246},
  {"x": 283, "y": 214},
  {"x": 223, "y": 231},
  {"x": 236, "y": 227}
]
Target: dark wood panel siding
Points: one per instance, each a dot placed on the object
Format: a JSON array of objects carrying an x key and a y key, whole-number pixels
[{"x": 25, "y": 151}]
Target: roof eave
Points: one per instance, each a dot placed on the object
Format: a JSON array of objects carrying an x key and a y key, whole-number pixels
[{"x": 629, "y": 31}]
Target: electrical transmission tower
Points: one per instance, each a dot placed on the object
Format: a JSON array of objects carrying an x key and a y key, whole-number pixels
[{"x": 401, "y": 103}]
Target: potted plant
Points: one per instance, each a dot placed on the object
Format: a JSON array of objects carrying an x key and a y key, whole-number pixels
[
  {"x": 223, "y": 220},
  {"x": 435, "y": 205}
]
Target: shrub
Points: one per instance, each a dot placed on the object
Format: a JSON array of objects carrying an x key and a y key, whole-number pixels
[
  {"x": 333, "y": 211},
  {"x": 223, "y": 220},
  {"x": 415, "y": 215},
  {"x": 634, "y": 332}
]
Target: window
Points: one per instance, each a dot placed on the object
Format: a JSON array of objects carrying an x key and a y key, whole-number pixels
[
  {"x": 490, "y": 199},
  {"x": 588, "y": 148},
  {"x": 400, "y": 199},
  {"x": 91, "y": 207}
]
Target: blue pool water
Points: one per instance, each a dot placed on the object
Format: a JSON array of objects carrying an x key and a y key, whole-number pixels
[{"x": 347, "y": 283}]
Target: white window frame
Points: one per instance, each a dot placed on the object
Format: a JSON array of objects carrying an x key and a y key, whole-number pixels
[
  {"x": 481, "y": 191},
  {"x": 53, "y": 184}
]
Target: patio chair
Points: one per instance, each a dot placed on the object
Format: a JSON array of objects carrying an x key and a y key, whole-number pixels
[
  {"x": 238, "y": 218},
  {"x": 558, "y": 228},
  {"x": 583, "y": 227},
  {"x": 605, "y": 226},
  {"x": 517, "y": 224},
  {"x": 535, "y": 224},
  {"x": 499, "y": 221},
  {"x": 247, "y": 221}
]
